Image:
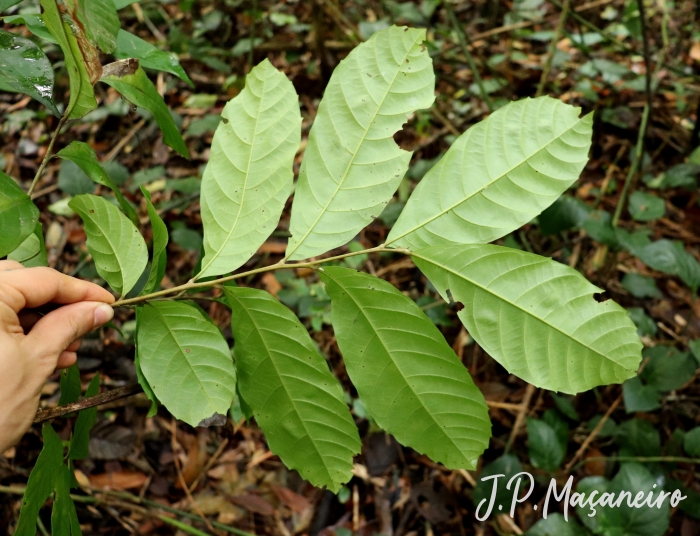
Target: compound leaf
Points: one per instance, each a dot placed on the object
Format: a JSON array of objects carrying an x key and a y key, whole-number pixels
[
  {"x": 406, "y": 374},
  {"x": 536, "y": 317},
  {"x": 160, "y": 243},
  {"x": 114, "y": 242},
  {"x": 497, "y": 176},
  {"x": 84, "y": 157},
  {"x": 249, "y": 175},
  {"x": 25, "y": 68},
  {"x": 138, "y": 89},
  {"x": 18, "y": 215},
  {"x": 352, "y": 165},
  {"x": 31, "y": 252},
  {"x": 186, "y": 361},
  {"x": 82, "y": 61},
  {"x": 295, "y": 399},
  {"x": 132, "y": 46}
]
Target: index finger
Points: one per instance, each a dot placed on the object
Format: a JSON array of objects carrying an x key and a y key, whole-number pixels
[{"x": 33, "y": 287}]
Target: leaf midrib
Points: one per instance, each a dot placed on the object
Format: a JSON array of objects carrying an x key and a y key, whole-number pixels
[
  {"x": 480, "y": 190},
  {"x": 494, "y": 294},
  {"x": 352, "y": 160},
  {"x": 371, "y": 324},
  {"x": 245, "y": 183},
  {"x": 284, "y": 385}
]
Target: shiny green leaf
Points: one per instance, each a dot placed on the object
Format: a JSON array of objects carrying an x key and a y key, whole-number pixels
[
  {"x": 543, "y": 446},
  {"x": 497, "y": 176},
  {"x": 34, "y": 23},
  {"x": 117, "y": 247},
  {"x": 352, "y": 165},
  {"x": 137, "y": 88},
  {"x": 18, "y": 215},
  {"x": 7, "y": 4},
  {"x": 26, "y": 69},
  {"x": 81, "y": 61},
  {"x": 84, "y": 157},
  {"x": 295, "y": 399},
  {"x": 536, "y": 317},
  {"x": 149, "y": 56},
  {"x": 143, "y": 382},
  {"x": 407, "y": 376},
  {"x": 249, "y": 175},
  {"x": 186, "y": 361}
]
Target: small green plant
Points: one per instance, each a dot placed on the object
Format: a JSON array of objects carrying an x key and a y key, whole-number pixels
[{"x": 536, "y": 317}]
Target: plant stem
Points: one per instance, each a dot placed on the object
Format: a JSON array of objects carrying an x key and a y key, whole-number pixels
[
  {"x": 462, "y": 37},
  {"x": 279, "y": 266},
  {"x": 90, "y": 402},
  {"x": 49, "y": 152},
  {"x": 552, "y": 49},
  {"x": 639, "y": 149}
]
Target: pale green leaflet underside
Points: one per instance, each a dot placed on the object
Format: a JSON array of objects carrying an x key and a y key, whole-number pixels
[
  {"x": 249, "y": 175},
  {"x": 352, "y": 165},
  {"x": 186, "y": 361},
  {"x": 497, "y": 176},
  {"x": 295, "y": 399},
  {"x": 117, "y": 247},
  {"x": 535, "y": 316},
  {"x": 406, "y": 374}
]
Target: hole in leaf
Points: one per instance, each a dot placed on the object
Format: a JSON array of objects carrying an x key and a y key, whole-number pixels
[{"x": 600, "y": 297}]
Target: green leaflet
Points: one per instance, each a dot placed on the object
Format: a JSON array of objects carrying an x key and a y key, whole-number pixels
[
  {"x": 18, "y": 215},
  {"x": 249, "y": 175},
  {"x": 406, "y": 374},
  {"x": 536, "y": 317},
  {"x": 25, "y": 68},
  {"x": 131, "y": 46},
  {"x": 70, "y": 385},
  {"x": 352, "y": 166},
  {"x": 80, "y": 442},
  {"x": 6, "y": 4},
  {"x": 137, "y": 88},
  {"x": 143, "y": 382},
  {"x": 31, "y": 252},
  {"x": 48, "y": 476},
  {"x": 117, "y": 247},
  {"x": 186, "y": 361},
  {"x": 497, "y": 176},
  {"x": 295, "y": 399},
  {"x": 34, "y": 23},
  {"x": 160, "y": 243},
  {"x": 101, "y": 22},
  {"x": 82, "y": 63},
  {"x": 84, "y": 157}
]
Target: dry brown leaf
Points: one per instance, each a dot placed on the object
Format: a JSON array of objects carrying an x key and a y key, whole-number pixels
[
  {"x": 118, "y": 481},
  {"x": 695, "y": 51},
  {"x": 271, "y": 284},
  {"x": 295, "y": 502},
  {"x": 276, "y": 248},
  {"x": 253, "y": 503}
]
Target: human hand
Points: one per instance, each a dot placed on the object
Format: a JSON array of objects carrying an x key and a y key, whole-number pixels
[{"x": 32, "y": 347}]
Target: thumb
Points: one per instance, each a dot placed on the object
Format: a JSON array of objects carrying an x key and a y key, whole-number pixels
[{"x": 58, "y": 329}]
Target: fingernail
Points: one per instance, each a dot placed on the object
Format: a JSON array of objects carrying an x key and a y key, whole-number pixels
[{"x": 103, "y": 314}]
